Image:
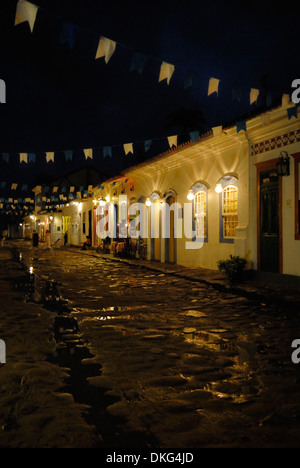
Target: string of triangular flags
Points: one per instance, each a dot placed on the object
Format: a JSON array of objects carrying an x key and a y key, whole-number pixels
[
  {"x": 51, "y": 195},
  {"x": 27, "y": 205},
  {"x": 27, "y": 12},
  {"x": 107, "y": 151},
  {"x": 128, "y": 148}
]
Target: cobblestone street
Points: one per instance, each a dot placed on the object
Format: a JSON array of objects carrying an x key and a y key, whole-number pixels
[{"x": 105, "y": 354}]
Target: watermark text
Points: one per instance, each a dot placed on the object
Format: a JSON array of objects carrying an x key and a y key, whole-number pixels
[{"x": 2, "y": 352}]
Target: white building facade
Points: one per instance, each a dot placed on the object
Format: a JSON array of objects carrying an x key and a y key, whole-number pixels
[{"x": 238, "y": 190}]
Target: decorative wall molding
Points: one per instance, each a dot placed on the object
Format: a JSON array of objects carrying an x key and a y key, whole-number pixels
[{"x": 274, "y": 143}]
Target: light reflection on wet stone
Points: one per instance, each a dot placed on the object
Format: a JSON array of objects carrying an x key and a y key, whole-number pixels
[{"x": 167, "y": 339}]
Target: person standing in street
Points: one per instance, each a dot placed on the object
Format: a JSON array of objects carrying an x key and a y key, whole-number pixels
[
  {"x": 2, "y": 238},
  {"x": 35, "y": 239},
  {"x": 48, "y": 240}
]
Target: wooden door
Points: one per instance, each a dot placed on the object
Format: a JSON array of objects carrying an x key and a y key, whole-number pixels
[
  {"x": 170, "y": 254},
  {"x": 269, "y": 222}
]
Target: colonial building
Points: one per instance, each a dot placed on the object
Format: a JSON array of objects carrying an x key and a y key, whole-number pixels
[{"x": 239, "y": 188}]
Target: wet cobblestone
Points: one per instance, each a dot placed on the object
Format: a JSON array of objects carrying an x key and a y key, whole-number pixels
[{"x": 179, "y": 362}]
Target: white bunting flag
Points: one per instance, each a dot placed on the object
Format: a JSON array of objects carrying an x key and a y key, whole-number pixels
[
  {"x": 14, "y": 186},
  {"x": 106, "y": 48},
  {"x": 72, "y": 189},
  {"x": 128, "y": 148},
  {"x": 285, "y": 100},
  {"x": 90, "y": 188},
  {"x": 49, "y": 156},
  {"x": 24, "y": 157},
  {"x": 217, "y": 131},
  {"x": 88, "y": 153},
  {"x": 172, "y": 140},
  {"x": 166, "y": 72},
  {"x": 213, "y": 86},
  {"x": 254, "y": 93},
  {"x": 26, "y": 12},
  {"x": 10, "y": 200}
]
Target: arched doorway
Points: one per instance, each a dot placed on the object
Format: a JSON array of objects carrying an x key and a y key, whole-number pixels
[
  {"x": 170, "y": 241},
  {"x": 155, "y": 226}
]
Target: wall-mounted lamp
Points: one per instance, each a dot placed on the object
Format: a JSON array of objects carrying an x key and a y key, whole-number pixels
[
  {"x": 148, "y": 202},
  {"x": 283, "y": 165},
  {"x": 218, "y": 188},
  {"x": 190, "y": 195}
]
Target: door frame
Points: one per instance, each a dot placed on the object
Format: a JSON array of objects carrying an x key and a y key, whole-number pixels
[
  {"x": 261, "y": 167},
  {"x": 170, "y": 243}
]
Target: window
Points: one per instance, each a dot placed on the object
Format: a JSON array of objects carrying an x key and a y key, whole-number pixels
[
  {"x": 229, "y": 211},
  {"x": 200, "y": 214}
]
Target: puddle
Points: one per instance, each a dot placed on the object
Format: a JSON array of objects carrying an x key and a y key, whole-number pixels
[
  {"x": 72, "y": 353},
  {"x": 244, "y": 350},
  {"x": 193, "y": 313}
]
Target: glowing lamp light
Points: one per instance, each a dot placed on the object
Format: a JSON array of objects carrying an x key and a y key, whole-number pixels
[
  {"x": 218, "y": 188},
  {"x": 107, "y": 198},
  {"x": 51, "y": 218},
  {"x": 190, "y": 195},
  {"x": 148, "y": 202}
]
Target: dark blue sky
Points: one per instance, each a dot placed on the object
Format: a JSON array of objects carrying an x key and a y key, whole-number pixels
[{"x": 60, "y": 98}]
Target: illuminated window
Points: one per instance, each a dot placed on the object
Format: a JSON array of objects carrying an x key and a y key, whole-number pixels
[
  {"x": 200, "y": 205},
  {"x": 229, "y": 211}
]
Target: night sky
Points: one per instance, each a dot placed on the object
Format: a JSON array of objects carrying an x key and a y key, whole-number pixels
[{"x": 60, "y": 98}]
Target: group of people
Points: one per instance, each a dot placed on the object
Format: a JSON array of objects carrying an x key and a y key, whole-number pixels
[{"x": 35, "y": 239}]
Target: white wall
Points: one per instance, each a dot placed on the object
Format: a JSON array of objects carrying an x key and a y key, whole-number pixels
[
  {"x": 208, "y": 167},
  {"x": 290, "y": 246}
]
